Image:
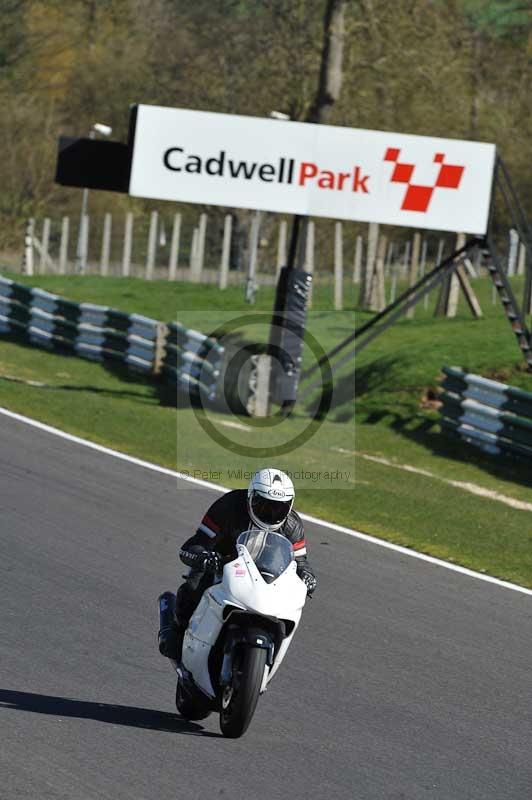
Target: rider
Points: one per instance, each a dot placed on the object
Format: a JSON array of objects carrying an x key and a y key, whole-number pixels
[{"x": 267, "y": 504}]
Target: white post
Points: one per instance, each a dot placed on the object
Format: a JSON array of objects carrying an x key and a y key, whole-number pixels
[
  {"x": 106, "y": 245},
  {"x": 152, "y": 244},
  {"x": 44, "y": 245},
  {"x": 309, "y": 257},
  {"x": 338, "y": 268},
  {"x": 226, "y": 251},
  {"x": 281, "y": 246},
  {"x": 128, "y": 240},
  {"x": 357, "y": 264},
  {"x": 522, "y": 259},
  {"x": 174, "y": 248},
  {"x": 63, "y": 247},
  {"x": 28, "y": 247},
  {"x": 194, "y": 257}
]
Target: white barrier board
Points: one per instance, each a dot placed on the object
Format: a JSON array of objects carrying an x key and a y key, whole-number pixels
[{"x": 319, "y": 170}]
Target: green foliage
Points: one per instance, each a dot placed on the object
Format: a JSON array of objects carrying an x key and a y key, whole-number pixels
[
  {"x": 458, "y": 69},
  {"x": 499, "y": 17}
]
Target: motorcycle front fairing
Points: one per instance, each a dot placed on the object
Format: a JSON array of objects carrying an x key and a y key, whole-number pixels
[{"x": 242, "y": 590}]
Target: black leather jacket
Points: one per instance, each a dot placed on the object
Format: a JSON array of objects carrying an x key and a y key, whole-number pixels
[{"x": 224, "y": 522}]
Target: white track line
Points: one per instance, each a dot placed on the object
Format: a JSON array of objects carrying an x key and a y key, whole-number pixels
[
  {"x": 465, "y": 486},
  {"x": 206, "y": 484},
  {"x": 236, "y": 425}
]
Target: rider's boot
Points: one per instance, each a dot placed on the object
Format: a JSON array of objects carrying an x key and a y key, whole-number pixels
[{"x": 170, "y": 636}]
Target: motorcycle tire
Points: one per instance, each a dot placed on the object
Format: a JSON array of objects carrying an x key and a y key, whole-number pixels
[
  {"x": 236, "y": 715},
  {"x": 192, "y": 707}
]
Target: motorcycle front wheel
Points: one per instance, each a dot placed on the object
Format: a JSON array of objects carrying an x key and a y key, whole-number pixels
[{"x": 239, "y": 700}]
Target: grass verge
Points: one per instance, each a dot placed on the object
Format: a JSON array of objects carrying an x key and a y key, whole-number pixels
[{"x": 393, "y": 422}]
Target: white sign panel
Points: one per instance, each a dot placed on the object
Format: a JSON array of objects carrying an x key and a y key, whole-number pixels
[{"x": 319, "y": 170}]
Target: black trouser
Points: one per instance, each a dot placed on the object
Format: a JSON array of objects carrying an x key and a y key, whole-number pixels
[{"x": 188, "y": 596}]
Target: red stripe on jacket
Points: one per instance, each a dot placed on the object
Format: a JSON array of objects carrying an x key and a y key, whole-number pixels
[
  {"x": 210, "y": 524},
  {"x": 299, "y": 545}
]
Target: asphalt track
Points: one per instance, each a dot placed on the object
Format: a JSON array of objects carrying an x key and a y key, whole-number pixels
[{"x": 405, "y": 680}]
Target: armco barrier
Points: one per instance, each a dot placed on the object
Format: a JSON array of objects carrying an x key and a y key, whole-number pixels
[
  {"x": 488, "y": 414},
  {"x": 182, "y": 357}
]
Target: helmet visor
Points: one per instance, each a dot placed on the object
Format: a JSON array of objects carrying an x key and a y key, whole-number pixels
[{"x": 270, "y": 512}]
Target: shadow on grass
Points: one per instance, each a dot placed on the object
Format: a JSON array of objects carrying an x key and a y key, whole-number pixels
[
  {"x": 376, "y": 383},
  {"x": 148, "y": 388},
  {"x": 130, "y": 716},
  {"x": 360, "y": 382},
  {"x": 425, "y": 430}
]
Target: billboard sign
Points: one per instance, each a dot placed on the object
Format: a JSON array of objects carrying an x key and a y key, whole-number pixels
[{"x": 316, "y": 170}]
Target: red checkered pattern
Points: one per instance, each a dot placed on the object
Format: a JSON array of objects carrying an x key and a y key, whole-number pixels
[{"x": 417, "y": 198}]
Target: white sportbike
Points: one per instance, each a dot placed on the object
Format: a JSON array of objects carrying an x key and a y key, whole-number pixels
[{"x": 240, "y": 632}]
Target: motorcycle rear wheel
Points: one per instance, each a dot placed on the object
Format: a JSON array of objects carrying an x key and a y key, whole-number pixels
[{"x": 241, "y": 698}]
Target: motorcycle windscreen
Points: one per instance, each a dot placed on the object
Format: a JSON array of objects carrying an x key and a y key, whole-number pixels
[{"x": 271, "y": 552}]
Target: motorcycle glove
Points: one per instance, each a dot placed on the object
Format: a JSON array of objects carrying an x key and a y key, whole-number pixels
[
  {"x": 212, "y": 562},
  {"x": 310, "y": 582}
]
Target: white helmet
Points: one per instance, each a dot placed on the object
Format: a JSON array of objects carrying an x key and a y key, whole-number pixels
[{"x": 270, "y": 498}]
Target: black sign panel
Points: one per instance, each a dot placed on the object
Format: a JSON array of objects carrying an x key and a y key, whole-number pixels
[{"x": 93, "y": 163}]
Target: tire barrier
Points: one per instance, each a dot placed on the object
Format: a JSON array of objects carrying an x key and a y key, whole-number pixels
[
  {"x": 192, "y": 360},
  {"x": 177, "y": 355},
  {"x": 490, "y": 415}
]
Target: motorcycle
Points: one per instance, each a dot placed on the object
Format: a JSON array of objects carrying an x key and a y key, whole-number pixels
[{"x": 240, "y": 632}]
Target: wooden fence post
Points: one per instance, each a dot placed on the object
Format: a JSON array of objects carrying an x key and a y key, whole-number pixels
[
  {"x": 513, "y": 247},
  {"x": 357, "y": 263},
  {"x": 202, "y": 232},
  {"x": 522, "y": 259},
  {"x": 226, "y": 250},
  {"x": 423, "y": 268},
  {"x": 160, "y": 347},
  {"x": 367, "y": 274},
  {"x": 174, "y": 248},
  {"x": 377, "y": 295},
  {"x": 414, "y": 269},
  {"x": 393, "y": 287},
  {"x": 389, "y": 259},
  {"x": 85, "y": 243},
  {"x": 63, "y": 247},
  {"x": 309, "y": 257},
  {"x": 454, "y": 288},
  {"x": 338, "y": 268},
  {"x": 406, "y": 259},
  {"x": 281, "y": 246},
  {"x": 251, "y": 282},
  {"x": 106, "y": 245},
  {"x": 128, "y": 241},
  {"x": 45, "y": 241},
  {"x": 193, "y": 269},
  {"x": 152, "y": 245},
  {"x": 28, "y": 247}
]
